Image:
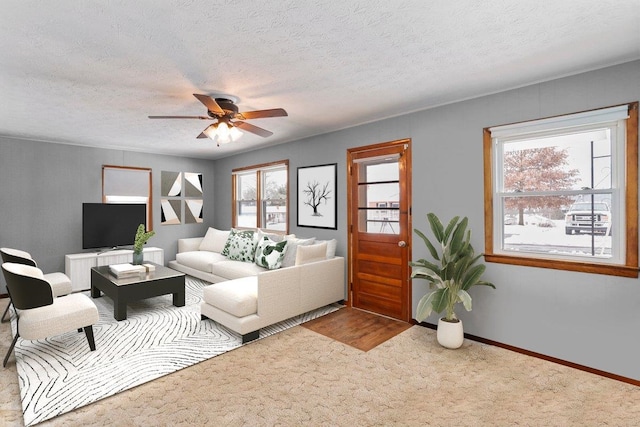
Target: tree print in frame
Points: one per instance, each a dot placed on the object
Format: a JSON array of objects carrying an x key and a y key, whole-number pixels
[{"x": 317, "y": 198}]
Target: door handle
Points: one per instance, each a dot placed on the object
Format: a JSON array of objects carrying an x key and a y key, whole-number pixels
[{"x": 402, "y": 243}]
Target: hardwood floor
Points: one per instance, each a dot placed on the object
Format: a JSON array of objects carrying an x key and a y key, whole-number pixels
[{"x": 357, "y": 328}]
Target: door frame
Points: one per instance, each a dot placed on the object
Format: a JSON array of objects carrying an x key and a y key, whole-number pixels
[{"x": 350, "y": 225}]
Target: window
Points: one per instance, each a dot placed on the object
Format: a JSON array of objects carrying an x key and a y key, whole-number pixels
[
  {"x": 121, "y": 184},
  {"x": 260, "y": 196},
  {"x": 562, "y": 192}
]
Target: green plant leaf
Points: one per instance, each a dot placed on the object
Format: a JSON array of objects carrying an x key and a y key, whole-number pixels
[
  {"x": 472, "y": 276},
  {"x": 460, "y": 267},
  {"x": 428, "y": 244},
  {"x": 424, "y": 308},
  {"x": 424, "y": 273},
  {"x": 483, "y": 283},
  {"x": 465, "y": 298},
  {"x": 436, "y": 226},
  {"x": 458, "y": 235},
  {"x": 440, "y": 300},
  {"x": 450, "y": 226},
  {"x": 431, "y": 266}
]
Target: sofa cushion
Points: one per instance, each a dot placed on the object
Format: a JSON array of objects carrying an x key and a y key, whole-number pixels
[
  {"x": 199, "y": 260},
  {"x": 331, "y": 247},
  {"x": 236, "y": 269},
  {"x": 269, "y": 254},
  {"x": 292, "y": 247},
  {"x": 237, "y": 297},
  {"x": 214, "y": 240},
  {"x": 241, "y": 245},
  {"x": 311, "y": 253},
  {"x": 273, "y": 236}
]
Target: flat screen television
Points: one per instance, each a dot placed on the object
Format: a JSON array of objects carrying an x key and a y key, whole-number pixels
[{"x": 109, "y": 225}]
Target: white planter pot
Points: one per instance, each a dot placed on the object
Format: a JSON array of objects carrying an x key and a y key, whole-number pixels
[{"x": 450, "y": 335}]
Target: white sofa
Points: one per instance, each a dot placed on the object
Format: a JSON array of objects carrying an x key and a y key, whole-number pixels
[{"x": 245, "y": 297}]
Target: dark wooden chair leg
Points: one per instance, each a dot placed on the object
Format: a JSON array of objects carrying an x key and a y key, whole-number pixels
[
  {"x": 88, "y": 331},
  {"x": 13, "y": 344},
  {"x": 6, "y": 310}
]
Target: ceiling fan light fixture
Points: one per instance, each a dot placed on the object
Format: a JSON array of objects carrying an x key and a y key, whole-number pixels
[{"x": 221, "y": 133}]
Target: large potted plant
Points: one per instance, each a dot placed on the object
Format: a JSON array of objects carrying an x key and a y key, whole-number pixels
[{"x": 451, "y": 274}]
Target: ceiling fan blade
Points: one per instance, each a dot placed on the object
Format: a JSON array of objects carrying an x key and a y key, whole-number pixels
[
  {"x": 202, "y": 134},
  {"x": 253, "y": 129},
  {"x": 180, "y": 117},
  {"x": 259, "y": 114},
  {"x": 210, "y": 103}
]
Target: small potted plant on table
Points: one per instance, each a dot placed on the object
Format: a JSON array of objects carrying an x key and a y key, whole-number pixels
[{"x": 141, "y": 239}]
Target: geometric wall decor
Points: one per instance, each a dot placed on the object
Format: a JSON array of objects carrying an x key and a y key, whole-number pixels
[
  {"x": 192, "y": 184},
  {"x": 193, "y": 211},
  {"x": 170, "y": 211},
  {"x": 181, "y": 195},
  {"x": 170, "y": 184}
]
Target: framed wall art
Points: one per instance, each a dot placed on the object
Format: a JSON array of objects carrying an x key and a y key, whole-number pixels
[
  {"x": 317, "y": 198},
  {"x": 182, "y": 198}
]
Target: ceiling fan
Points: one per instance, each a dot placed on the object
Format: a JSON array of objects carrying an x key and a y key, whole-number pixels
[{"x": 228, "y": 119}]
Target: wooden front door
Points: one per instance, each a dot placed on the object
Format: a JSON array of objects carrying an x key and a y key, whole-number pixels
[{"x": 380, "y": 228}]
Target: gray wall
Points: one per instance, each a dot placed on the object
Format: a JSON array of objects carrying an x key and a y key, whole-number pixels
[
  {"x": 44, "y": 186},
  {"x": 587, "y": 319},
  {"x": 583, "y": 318}
]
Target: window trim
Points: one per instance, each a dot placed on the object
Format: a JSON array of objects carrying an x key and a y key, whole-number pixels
[
  {"x": 258, "y": 169},
  {"x": 630, "y": 266}
]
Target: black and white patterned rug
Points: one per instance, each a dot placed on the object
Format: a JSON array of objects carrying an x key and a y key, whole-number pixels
[{"x": 60, "y": 374}]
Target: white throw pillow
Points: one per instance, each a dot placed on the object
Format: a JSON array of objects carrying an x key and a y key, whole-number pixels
[
  {"x": 273, "y": 236},
  {"x": 311, "y": 253},
  {"x": 292, "y": 244},
  {"x": 331, "y": 247},
  {"x": 214, "y": 240}
]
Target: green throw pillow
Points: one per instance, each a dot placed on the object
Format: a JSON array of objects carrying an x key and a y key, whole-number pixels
[
  {"x": 240, "y": 246},
  {"x": 270, "y": 254}
]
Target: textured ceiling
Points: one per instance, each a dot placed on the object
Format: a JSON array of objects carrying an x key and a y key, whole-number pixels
[{"x": 90, "y": 72}]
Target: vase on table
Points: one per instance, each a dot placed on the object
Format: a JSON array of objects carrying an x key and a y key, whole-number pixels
[{"x": 137, "y": 258}]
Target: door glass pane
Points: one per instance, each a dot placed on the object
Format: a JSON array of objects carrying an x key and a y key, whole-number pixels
[
  {"x": 379, "y": 197},
  {"x": 381, "y": 172}
]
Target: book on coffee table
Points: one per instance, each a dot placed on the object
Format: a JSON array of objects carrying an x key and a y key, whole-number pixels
[{"x": 126, "y": 270}]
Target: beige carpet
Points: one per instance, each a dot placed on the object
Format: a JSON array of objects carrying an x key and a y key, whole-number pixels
[{"x": 299, "y": 377}]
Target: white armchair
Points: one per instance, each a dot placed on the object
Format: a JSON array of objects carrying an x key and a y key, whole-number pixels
[
  {"x": 39, "y": 314},
  {"x": 60, "y": 282}
]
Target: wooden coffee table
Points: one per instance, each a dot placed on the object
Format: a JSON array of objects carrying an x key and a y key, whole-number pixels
[{"x": 162, "y": 281}]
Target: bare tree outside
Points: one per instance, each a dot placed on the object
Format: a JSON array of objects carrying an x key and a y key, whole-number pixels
[
  {"x": 275, "y": 190},
  {"x": 537, "y": 169},
  {"x": 316, "y": 193}
]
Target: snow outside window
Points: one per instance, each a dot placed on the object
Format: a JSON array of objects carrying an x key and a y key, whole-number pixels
[{"x": 260, "y": 197}]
